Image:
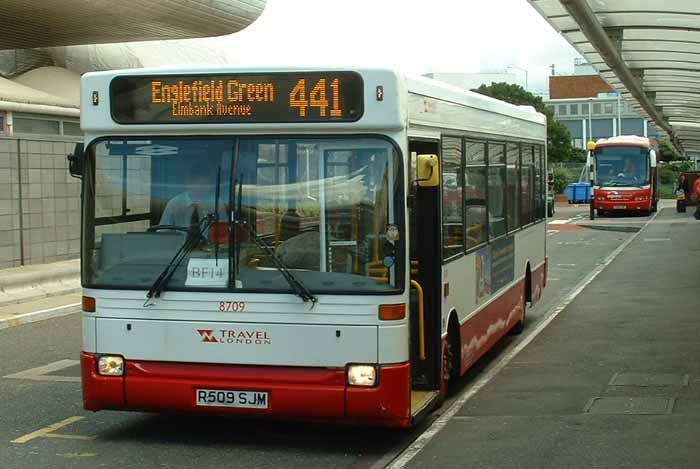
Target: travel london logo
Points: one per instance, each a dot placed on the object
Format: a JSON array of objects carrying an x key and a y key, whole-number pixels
[{"x": 235, "y": 336}]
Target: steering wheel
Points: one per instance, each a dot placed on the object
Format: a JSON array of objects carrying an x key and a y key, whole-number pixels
[{"x": 154, "y": 228}]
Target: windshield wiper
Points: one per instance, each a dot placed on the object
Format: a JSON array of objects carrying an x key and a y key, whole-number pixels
[
  {"x": 192, "y": 241},
  {"x": 299, "y": 288}
]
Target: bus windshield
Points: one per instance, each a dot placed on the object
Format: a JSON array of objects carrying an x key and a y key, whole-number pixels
[
  {"x": 621, "y": 166},
  {"x": 328, "y": 209}
]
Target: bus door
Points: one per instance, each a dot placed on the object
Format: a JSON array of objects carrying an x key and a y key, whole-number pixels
[{"x": 424, "y": 250}]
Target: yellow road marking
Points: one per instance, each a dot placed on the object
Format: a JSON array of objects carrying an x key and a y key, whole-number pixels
[
  {"x": 63, "y": 436},
  {"x": 44, "y": 431}
]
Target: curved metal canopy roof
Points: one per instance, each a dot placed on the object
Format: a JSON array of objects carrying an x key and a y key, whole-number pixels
[
  {"x": 50, "y": 23},
  {"x": 648, "y": 50}
]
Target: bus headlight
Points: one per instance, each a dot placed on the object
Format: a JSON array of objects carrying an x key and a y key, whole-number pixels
[
  {"x": 110, "y": 365},
  {"x": 362, "y": 375}
]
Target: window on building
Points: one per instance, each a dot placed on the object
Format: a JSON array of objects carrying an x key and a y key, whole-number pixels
[
  {"x": 24, "y": 125},
  {"x": 475, "y": 190},
  {"x": 573, "y": 109},
  {"x": 513, "y": 185},
  {"x": 497, "y": 190},
  {"x": 608, "y": 108},
  {"x": 452, "y": 197},
  {"x": 562, "y": 110},
  {"x": 584, "y": 109},
  {"x": 71, "y": 128},
  {"x": 597, "y": 108}
]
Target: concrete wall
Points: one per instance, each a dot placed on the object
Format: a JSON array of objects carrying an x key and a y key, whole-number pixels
[{"x": 39, "y": 202}]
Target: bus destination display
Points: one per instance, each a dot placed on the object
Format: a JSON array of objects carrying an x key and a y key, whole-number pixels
[{"x": 237, "y": 98}]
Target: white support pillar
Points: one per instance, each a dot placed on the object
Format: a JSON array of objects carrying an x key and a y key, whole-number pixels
[
  {"x": 584, "y": 133},
  {"x": 614, "y": 132},
  {"x": 646, "y": 129}
]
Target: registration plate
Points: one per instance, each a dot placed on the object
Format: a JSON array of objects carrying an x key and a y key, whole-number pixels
[
  {"x": 231, "y": 398},
  {"x": 619, "y": 207}
]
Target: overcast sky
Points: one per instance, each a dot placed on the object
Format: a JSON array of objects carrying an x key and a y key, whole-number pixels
[{"x": 415, "y": 36}]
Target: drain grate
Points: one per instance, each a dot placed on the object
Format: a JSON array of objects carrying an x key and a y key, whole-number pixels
[
  {"x": 630, "y": 405},
  {"x": 648, "y": 379}
]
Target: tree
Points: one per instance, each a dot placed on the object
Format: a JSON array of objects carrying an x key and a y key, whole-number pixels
[
  {"x": 666, "y": 152},
  {"x": 559, "y": 146}
]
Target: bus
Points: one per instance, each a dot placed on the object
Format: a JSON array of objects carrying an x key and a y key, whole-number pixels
[
  {"x": 330, "y": 244},
  {"x": 624, "y": 176}
]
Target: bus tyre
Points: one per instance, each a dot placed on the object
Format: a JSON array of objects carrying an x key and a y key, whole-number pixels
[{"x": 451, "y": 356}]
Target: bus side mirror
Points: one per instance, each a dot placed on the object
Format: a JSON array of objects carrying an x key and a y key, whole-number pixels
[
  {"x": 76, "y": 161},
  {"x": 427, "y": 170}
]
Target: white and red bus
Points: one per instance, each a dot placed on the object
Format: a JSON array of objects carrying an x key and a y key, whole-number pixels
[
  {"x": 322, "y": 244},
  {"x": 624, "y": 175}
]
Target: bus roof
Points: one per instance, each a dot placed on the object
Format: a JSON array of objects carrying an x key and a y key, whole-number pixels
[
  {"x": 446, "y": 92},
  {"x": 624, "y": 140}
]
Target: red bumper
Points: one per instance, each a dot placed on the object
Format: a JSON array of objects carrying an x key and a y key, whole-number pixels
[
  {"x": 297, "y": 393},
  {"x": 620, "y": 205}
]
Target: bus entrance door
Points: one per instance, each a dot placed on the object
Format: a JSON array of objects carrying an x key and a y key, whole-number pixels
[{"x": 424, "y": 249}]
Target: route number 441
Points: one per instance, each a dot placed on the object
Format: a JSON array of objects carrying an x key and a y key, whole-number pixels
[{"x": 301, "y": 98}]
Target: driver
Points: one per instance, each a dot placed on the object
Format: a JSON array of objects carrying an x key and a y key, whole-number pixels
[
  {"x": 195, "y": 202},
  {"x": 630, "y": 170}
]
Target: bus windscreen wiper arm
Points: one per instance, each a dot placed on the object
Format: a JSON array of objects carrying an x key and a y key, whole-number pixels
[
  {"x": 192, "y": 241},
  {"x": 298, "y": 287}
]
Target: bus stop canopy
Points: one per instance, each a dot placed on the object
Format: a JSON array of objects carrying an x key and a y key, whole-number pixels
[
  {"x": 51, "y": 23},
  {"x": 648, "y": 50}
]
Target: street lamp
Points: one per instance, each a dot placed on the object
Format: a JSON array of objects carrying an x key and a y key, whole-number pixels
[
  {"x": 521, "y": 69},
  {"x": 590, "y": 120}
]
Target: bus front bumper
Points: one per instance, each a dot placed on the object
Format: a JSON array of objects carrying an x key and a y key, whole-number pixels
[
  {"x": 292, "y": 392},
  {"x": 622, "y": 205}
]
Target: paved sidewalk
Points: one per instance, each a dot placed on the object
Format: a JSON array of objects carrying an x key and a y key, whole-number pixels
[
  {"x": 28, "y": 283},
  {"x": 613, "y": 381}
]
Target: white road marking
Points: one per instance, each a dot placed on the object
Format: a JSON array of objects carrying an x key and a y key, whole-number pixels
[
  {"x": 654, "y": 240},
  {"x": 561, "y": 222},
  {"x": 422, "y": 441},
  {"x": 40, "y": 373}
]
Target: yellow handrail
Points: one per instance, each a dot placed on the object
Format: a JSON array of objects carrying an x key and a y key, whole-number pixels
[{"x": 421, "y": 320}]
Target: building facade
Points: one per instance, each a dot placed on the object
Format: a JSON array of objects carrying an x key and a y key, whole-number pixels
[
  {"x": 590, "y": 109},
  {"x": 39, "y": 200}
]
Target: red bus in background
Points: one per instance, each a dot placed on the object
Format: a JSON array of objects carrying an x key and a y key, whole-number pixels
[{"x": 624, "y": 178}]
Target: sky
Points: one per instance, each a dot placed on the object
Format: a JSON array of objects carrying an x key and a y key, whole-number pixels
[{"x": 414, "y": 36}]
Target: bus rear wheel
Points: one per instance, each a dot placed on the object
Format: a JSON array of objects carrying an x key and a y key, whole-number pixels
[{"x": 451, "y": 356}]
